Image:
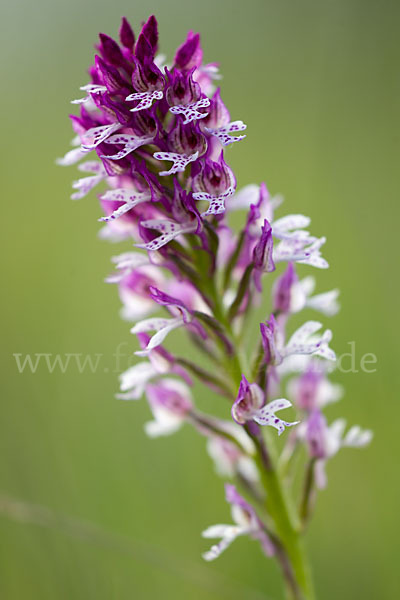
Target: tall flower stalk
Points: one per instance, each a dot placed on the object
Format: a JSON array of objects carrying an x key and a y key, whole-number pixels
[{"x": 157, "y": 136}]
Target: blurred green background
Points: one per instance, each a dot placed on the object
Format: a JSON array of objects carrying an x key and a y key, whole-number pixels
[{"x": 318, "y": 83}]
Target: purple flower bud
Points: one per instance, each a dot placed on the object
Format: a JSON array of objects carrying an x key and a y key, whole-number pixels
[
  {"x": 111, "y": 78},
  {"x": 190, "y": 54},
  {"x": 110, "y": 51},
  {"x": 126, "y": 34},
  {"x": 150, "y": 32}
]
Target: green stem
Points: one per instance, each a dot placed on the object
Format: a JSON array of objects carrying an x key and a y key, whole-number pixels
[
  {"x": 286, "y": 529},
  {"x": 306, "y": 499}
]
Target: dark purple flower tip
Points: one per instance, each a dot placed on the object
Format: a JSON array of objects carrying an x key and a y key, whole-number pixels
[
  {"x": 110, "y": 51},
  {"x": 190, "y": 53},
  {"x": 143, "y": 49},
  {"x": 126, "y": 34},
  {"x": 111, "y": 77},
  {"x": 150, "y": 32}
]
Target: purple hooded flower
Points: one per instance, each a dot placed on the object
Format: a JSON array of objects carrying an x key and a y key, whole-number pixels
[
  {"x": 249, "y": 405},
  {"x": 303, "y": 341},
  {"x": 291, "y": 295},
  {"x": 214, "y": 182}
]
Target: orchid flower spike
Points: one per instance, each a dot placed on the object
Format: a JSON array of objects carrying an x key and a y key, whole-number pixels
[{"x": 151, "y": 137}]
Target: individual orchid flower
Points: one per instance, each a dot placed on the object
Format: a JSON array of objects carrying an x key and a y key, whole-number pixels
[
  {"x": 303, "y": 341},
  {"x": 291, "y": 295},
  {"x": 324, "y": 441},
  {"x": 246, "y": 523},
  {"x": 312, "y": 389},
  {"x": 250, "y": 405},
  {"x": 170, "y": 401},
  {"x": 214, "y": 183}
]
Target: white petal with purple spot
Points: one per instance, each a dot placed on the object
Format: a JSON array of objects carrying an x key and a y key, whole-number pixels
[{"x": 190, "y": 112}]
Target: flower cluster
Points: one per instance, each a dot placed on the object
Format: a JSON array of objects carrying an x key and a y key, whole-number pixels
[{"x": 158, "y": 135}]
